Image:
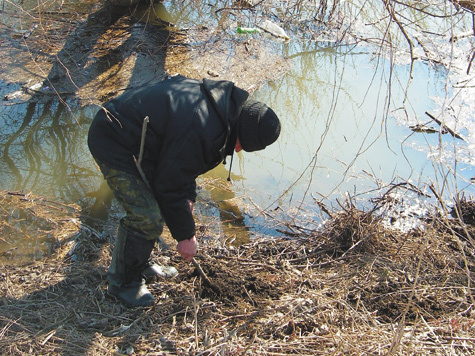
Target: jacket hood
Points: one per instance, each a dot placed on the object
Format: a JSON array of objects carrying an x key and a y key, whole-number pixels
[{"x": 227, "y": 100}]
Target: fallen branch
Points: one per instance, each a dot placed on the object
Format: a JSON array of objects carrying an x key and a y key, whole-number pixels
[{"x": 443, "y": 126}]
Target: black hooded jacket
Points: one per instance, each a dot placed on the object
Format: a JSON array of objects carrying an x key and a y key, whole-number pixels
[{"x": 192, "y": 127}]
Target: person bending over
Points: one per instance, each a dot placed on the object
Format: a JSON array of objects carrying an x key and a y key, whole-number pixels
[{"x": 151, "y": 144}]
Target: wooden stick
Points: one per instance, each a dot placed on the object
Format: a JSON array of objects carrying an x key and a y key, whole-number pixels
[
  {"x": 138, "y": 162},
  {"x": 200, "y": 271},
  {"x": 142, "y": 139},
  {"x": 449, "y": 130}
]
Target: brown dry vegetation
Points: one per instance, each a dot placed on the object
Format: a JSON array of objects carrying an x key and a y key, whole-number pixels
[{"x": 353, "y": 288}]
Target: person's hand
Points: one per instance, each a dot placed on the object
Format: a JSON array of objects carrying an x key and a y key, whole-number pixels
[{"x": 187, "y": 248}]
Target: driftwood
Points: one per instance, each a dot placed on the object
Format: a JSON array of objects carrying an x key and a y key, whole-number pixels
[{"x": 445, "y": 127}]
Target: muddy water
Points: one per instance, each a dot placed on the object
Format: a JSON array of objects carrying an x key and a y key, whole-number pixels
[{"x": 341, "y": 135}]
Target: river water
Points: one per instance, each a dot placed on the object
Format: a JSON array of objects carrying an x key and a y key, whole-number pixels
[{"x": 345, "y": 109}]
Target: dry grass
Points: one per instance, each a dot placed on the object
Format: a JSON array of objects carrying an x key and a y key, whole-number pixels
[{"x": 354, "y": 288}]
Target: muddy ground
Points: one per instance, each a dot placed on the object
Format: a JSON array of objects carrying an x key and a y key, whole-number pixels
[{"x": 353, "y": 287}]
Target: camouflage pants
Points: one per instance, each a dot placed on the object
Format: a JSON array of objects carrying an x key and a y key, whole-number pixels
[{"x": 143, "y": 215}]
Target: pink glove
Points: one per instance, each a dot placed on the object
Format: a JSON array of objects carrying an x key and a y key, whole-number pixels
[{"x": 187, "y": 248}]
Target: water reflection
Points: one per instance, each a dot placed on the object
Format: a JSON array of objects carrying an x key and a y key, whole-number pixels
[
  {"x": 221, "y": 207},
  {"x": 43, "y": 140},
  {"x": 38, "y": 153},
  {"x": 338, "y": 135},
  {"x": 44, "y": 151}
]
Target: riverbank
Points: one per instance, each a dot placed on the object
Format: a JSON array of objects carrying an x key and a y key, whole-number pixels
[{"x": 354, "y": 287}]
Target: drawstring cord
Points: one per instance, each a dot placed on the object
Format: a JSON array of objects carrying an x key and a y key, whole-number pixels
[{"x": 230, "y": 166}]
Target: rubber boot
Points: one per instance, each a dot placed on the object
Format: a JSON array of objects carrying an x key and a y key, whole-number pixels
[{"x": 129, "y": 258}]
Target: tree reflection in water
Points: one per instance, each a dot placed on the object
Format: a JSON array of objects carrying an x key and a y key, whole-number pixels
[{"x": 43, "y": 139}]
